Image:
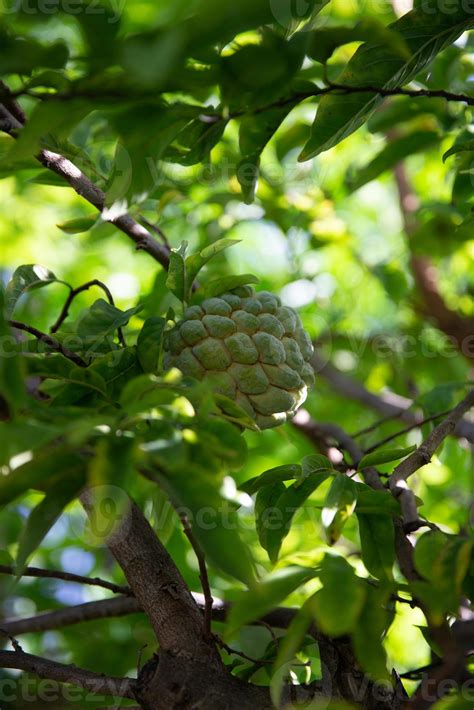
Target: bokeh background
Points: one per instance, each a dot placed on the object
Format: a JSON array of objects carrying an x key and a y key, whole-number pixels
[{"x": 336, "y": 251}]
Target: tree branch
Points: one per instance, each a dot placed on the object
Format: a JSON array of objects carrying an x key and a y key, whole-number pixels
[
  {"x": 459, "y": 329},
  {"x": 279, "y": 618},
  {"x": 52, "y": 343},
  {"x": 203, "y": 576},
  {"x": 407, "y": 429},
  {"x": 424, "y": 452},
  {"x": 80, "y": 183},
  {"x": 58, "y": 619},
  {"x": 389, "y": 405},
  {"x": 157, "y": 584},
  {"x": 440, "y": 632},
  {"x": 72, "y": 295},
  {"x": 330, "y": 88},
  {"x": 51, "y": 670},
  {"x": 67, "y": 577},
  {"x": 84, "y": 187}
]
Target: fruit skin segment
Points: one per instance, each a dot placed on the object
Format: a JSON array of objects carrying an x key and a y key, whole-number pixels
[{"x": 249, "y": 348}]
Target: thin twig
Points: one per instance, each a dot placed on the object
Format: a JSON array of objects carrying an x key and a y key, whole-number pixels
[
  {"x": 330, "y": 88},
  {"x": 203, "y": 576},
  {"x": 422, "y": 456},
  {"x": 51, "y": 670},
  {"x": 75, "y": 292},
  {"x": 52, "y": 343},
  {"x": 424, "y": 452},
  {"x": 68, "y": 577},
  {"x": 415, "y": 425},
  {"x": 399, "y": 91},
  {"x": 155, "y": 228},
  {"x": 84, "y": 187},
  {"x": 280, "y": 617},
  {"x": 377, "y": 424},
  {"x": 14, "y": 642},
  {"x": 388, "y": 404},
  {"x": 69, "y": 616}
]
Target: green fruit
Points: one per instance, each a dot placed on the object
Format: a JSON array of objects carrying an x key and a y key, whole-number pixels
[{"x": 249, "y": 348}]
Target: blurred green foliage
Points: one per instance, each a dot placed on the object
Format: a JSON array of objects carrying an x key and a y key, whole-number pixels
[{"x": 191, "y": 116}]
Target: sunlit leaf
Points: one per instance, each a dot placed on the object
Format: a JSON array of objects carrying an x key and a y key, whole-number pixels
[
  {"x": 426, "y": 30},
  {"x": 377, "y": 537},
  {"x": 265, "y": 595},
  {"x": 338, "y": 507},
  {"x": 384, "y": 456},
  {"x": 76, "y": 226},
  {"x": 149, "y": 343},
  {"x": 26, "y": 278},
  {"x": 44, "y": 515},
  {"x": 275, "y": 521},
  {"x": 286, "y": 472},
  {"x": 195, "y": 262},
  {"x": 338, "y": 605}
]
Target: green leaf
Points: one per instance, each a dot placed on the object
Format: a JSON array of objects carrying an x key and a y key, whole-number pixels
[
  {"x": 275, "y": 522},
  {"x": 267, "y": 515},
  {"x": 57, "y": 367},
  {"x": 44, "y": 515},
  {"x": 464, "y": 146},
  {"x": 226, "y": 283},
  {"x": 38, "y": 473},
  {"x": 426, "y": 30},
  {"x": 102, "y": 318},
  {"x": 440, "y": 398},
  {"x": 19, "y": 436},
  {"x": 76, "y": 226},
  {"x": 339, "y": 505},
  {"x": 373, "y": 502},
  {"x": 146, "y": 392},
  {"x": 368, "y": 634},
  {"x": 195, "y": 262},
  {"x": 12, "y": 384},
  {"x": 21, "y": 55},
  {"x": 292, "y": 16},
  {"x": 314, "y": 463},
  {"x": 385, "y": 456},
  {"x": 338, "y": 605},
  {"x": 395, "y": 151},
  {"x": 196, "y": 140},
  {"x": 112, "y": 460},
  {"x": 214, "y": 522},
  {"x": 325, "y": 41},
  {"x": 49, "y": 118},
  {"x": 149, "y": 343},
  {"x": 443, "y": 561},
  {"x": 234, "y": 413},
  {"x": 25, "y": 278},
  {"x": 265, "y": 595},
  {"x": 377, "y": 537},
  {"x": 136, "y": 170},
  {"x": 176, "y": 281},
  {"x": 254, "y": 134},
  {"x": 399, "y": 110},
  {"x": 291, "y": 643},
  {"x": 286, "y": 472}
]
